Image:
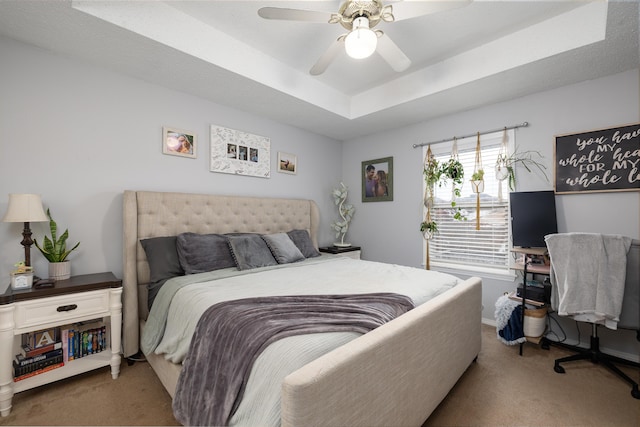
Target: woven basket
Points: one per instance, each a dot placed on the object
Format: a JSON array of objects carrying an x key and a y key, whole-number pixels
[{"x": 535, "y": 322}]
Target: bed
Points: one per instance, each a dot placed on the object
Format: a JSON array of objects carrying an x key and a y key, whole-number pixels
[{"x": 397, "y": 374}]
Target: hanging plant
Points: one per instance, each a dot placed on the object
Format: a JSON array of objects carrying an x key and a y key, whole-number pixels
[
  {"x": 428, "y": 229},
  {"x": 432, "y": 173},
  {"x": 477, "y": 180},
  {"x": 453, "y": 170},
  {"x": 525, "y": 158}
]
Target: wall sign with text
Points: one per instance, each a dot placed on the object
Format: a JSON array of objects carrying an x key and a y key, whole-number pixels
[{"x": 599, "y": 160}]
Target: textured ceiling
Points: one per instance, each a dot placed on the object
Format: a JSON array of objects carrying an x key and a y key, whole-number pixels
[{"x": 478, "y": 53}]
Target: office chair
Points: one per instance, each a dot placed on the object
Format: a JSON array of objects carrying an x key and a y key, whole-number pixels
[{"x": 577, "y": 264}]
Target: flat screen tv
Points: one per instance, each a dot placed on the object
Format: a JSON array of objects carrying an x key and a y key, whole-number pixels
[{"x": 533, "y": 216}]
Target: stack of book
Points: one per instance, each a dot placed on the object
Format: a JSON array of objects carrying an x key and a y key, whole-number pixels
[
  {"x": 44, "y": 350},
  {"x": 40, "y": 352}
]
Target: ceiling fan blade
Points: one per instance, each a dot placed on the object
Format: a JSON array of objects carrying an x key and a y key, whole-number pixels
[
  {"x": 408, "y": 9},
  {"x": 391, "y": 53},
  {"x": 327, "y": 57},
  {"x": 294, "y": 14}
]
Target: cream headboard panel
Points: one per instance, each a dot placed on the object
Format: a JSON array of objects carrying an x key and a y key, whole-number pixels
[{"x": 153, "y": 214}]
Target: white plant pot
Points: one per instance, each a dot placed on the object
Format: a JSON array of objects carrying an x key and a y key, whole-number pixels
[
  {"x": 477, "y": 186},
  {"x": 59, "y": 270}
]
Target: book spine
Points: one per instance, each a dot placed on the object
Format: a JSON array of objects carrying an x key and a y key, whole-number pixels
[
  {"x": 71, "y": 344},
  {"x": 38, "y": 363},
  {"x": 38, "y": 371}
]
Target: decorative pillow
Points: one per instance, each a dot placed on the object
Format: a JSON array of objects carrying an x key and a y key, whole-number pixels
[
  {"x": 282, "y": 248},
  {"x": 164, "y": 264},
  {"x": 250, "y": 251},
  {"x": 303, "y": 241},
  {"x": 199, "y": 253}
]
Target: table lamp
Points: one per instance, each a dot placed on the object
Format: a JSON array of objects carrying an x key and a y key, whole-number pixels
[{"x": 25, "y": 208}]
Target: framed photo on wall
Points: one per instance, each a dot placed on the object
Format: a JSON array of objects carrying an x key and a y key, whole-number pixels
[
  {"x": 239, "y": 153},
  {"x": 178, "y": 142},
  {"x": 377, "y": 180},
  {"x": 287, "y": 163}
]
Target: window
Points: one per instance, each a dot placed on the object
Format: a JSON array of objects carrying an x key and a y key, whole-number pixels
[{"x": 458, "y": 244}]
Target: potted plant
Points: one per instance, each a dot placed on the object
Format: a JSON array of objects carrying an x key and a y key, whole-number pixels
[
  {"x": 55, "y": 251},
  {"x": 428, "y": 229},
  {"x": 477, "y": 181},
  {"x": 346, "y": 212},
  {"x": 452, "y": 169}
]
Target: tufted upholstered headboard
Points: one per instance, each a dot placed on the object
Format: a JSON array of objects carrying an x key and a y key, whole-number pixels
[{"x": 152, "y": 214}]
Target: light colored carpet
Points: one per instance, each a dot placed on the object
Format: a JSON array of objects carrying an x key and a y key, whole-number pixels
[{"x": 500, "y": 389}]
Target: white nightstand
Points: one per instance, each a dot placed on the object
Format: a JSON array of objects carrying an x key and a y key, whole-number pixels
[
  {"x": 349, "y": 252},
  {"x": 80, "y": 298}
]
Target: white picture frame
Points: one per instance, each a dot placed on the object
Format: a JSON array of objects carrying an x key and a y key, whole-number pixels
[
  {"x": 239, "y": 153},
  {"x": 287, "y": 163},
  {"x": 179, "y": 142}
]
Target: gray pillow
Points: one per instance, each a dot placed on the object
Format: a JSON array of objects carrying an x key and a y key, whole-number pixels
[
  {"x": 303, "y": 241},
  {"x": 250, "y": 251},
  {"x": 199, "y": 253},
  {"x": 162, "y": 256},
  {"x": 282, "y": 248}
]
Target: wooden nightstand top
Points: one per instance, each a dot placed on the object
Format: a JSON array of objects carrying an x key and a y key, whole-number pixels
[
  {"x": 80, "y": 283},
  {"x": 339, "y": 250}
]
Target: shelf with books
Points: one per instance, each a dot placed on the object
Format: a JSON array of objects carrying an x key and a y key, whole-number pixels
[{"x": 53, "y": 313}]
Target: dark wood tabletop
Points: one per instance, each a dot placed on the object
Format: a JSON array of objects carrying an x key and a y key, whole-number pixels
[{"x": 80, "y": 283}]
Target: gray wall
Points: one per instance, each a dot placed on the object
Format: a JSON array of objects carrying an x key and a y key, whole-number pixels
[
  {"x": 79, "y": 136},
  {"x": 586, "y": 106}
]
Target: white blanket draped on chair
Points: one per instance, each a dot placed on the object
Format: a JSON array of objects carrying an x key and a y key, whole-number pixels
[{"x": 588, "y": 273}]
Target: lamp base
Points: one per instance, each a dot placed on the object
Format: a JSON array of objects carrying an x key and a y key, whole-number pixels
[{"x": 341, "y": 245}]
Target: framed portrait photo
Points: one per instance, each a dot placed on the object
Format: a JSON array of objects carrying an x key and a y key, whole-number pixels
[
  {"x": 377, "y": 180},
  {"x": 287, "y": 163},
  {"x": 179, "y": 142}
]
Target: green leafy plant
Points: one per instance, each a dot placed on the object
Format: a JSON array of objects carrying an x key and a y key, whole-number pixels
[
  {"x": 525, "y": 158},
  {"x": 452, "y": 169},
  {"x": 54, "y": 249},
  {"x": 429, "y": 226},
  {"x": 478, "y": 175}
]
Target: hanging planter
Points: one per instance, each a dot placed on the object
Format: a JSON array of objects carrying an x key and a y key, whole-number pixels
[
  {"x": 428, "y": 229},
  {"x": 432, "y": 174},
  {"x": 502, "y": 166},
  {"x": 477, "y": 180},
  {"x": 452, "y": 169}
]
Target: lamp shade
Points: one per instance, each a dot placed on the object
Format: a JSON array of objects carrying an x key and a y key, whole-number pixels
[
  {"x": 25, "y": 208},
  {"x": 361, "y": 42}
]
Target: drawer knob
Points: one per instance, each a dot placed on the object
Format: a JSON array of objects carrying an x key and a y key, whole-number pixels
[{"x": 67, "y": 307}]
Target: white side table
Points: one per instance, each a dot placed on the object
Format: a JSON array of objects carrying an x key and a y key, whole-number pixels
[{"x": 80, "y": 298}]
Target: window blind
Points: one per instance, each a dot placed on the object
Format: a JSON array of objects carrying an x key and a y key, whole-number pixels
[{"x": 458, "y": 243}]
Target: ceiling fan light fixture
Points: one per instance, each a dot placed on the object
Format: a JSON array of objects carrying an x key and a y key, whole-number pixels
[{"x": 361, "y": 42}]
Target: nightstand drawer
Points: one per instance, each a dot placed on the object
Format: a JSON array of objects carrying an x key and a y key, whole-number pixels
[{"x": 63, "y": 308}]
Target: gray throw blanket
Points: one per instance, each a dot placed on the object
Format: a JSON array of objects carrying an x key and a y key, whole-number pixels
[{"x": 230, "y": 336}]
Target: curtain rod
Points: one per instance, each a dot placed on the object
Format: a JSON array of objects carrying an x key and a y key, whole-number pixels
[{"x": 521, "y": 125}]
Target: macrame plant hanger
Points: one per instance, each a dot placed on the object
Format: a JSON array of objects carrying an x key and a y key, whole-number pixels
[
  {"x": 454, "y": 156},
  {"x": 502, "y": 164},
  {"x": 478, "y": 182},
  {"x": 428, "y": 201}
]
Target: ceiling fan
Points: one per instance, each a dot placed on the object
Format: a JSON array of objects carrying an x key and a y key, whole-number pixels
[{"x": 359, "y": 17}]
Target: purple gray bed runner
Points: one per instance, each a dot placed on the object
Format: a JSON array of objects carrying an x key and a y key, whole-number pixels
[{"x": 230, "y": 336}]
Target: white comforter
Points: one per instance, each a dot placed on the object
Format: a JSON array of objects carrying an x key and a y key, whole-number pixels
[{"x": 181, "y": 301}]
